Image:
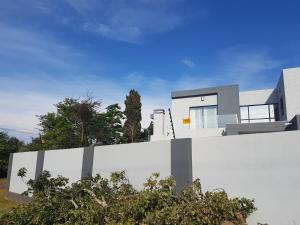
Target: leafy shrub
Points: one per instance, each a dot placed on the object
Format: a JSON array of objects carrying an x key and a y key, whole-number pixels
[{"x": 96, "y": 200}]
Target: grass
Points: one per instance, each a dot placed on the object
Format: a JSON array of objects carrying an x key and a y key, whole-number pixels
[{"x": 5, "y": 205}]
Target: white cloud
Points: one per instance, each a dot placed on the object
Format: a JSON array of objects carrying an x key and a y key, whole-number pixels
[
  {"x": 189, "y": 63},
  {"x": 18, "y": 112}
]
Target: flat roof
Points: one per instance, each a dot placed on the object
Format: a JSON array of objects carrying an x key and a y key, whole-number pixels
[{"x": 201, "y": 91}]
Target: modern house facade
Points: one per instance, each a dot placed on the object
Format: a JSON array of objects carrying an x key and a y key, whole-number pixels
[{"x": 224, "y": 110}]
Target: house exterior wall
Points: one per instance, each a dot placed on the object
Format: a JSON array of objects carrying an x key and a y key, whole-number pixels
[
  {"x": 291, "y": 80},
  {"x": 228, "y": 97},
  {"x": 201, "y": 132},
  {"x": 160, "y": 126},
  {"x": 181, "y": 108},
  {"x": 225, "y": 97},
  {"x": 257, "y": 97}
]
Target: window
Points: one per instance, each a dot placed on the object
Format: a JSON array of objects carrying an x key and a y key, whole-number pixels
[
  {"x": 259, "y": 113},
  {"x": 204, "y": 117}
]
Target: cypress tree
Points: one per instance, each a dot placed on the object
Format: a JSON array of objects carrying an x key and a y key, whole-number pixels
[{"x": 132, "y": 125}]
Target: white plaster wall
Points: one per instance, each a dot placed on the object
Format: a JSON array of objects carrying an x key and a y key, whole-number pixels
[
  {"x": 180, "y": 109},
  {"x": 64, "y": 162},
  {"x": 22, "y": 159},
  {"x": 139, "y": 160},
  {"x": 261, "y": 166},
  {"x": 194, "y": 133},
  {"x": 255, "y": 97},
  {"x": 291, "y": 79},
  {"x": 159, "y": 126}
]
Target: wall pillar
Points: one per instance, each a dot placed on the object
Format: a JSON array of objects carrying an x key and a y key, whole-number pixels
[
  {"x": 39, "y": 164},
  {"x": 87, "y": 162},
  {"x": 181, "y": 162}
]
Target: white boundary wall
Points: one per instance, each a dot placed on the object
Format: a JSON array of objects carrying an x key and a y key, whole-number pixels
[
  {"x": 139, "y": 160},
  {"x": 265, "y": 167},
  {"x": 22, "y": 159},
  {"x": 64, "y": 162}
]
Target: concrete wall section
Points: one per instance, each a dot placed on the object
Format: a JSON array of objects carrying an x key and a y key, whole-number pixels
[
  {"x": 181, "y": 162},
  {"x": 257, "y": 97},
  {"x": 291, "y": 79},
  {"x": 23, "y": 159},
  {"x": 195, "y": 133},
  {"x": 251, "y": 128},
  {"x": 139, "y": 160},
  {"x": 160, "y": 128},
  {"x": 261, "y": 166},
  {"x": 65, "y": 162},
  {"x": 39, "y": 164},
  {"x": 294, "y": 123},
  {"x": 87, "y": 162}
]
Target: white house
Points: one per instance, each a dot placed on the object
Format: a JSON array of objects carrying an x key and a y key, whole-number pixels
[{"x": 224, "y": 110}]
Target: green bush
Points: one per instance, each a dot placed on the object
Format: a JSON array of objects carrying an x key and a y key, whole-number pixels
[{"x": 97, "y": 200}]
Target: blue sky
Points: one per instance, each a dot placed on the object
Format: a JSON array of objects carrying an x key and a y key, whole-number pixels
[{"x": 53, "y": 49}]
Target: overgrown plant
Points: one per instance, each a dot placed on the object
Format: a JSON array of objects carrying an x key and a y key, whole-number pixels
[{"x": 97, "y": 200}]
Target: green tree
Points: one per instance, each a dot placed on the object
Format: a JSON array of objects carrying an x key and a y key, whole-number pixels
[
  {"x": 147, "y": 132},
  {"x": 36, "y": 144},
  {"x": 58, "y": 131},
  {"x": 70, "y": 126},
  {"x": 79, "y": 114},
  {"x": 7, "y": 145},
  {"x": 132, "y": 125},
  {"x": 108, "y": 125}
]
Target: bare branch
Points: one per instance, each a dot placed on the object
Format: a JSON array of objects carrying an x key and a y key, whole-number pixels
[{"x": 102, "y": 203}]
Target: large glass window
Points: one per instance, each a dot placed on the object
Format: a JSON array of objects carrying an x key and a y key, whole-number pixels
[
  {"x": 204, "y": 117},
  {"x": 259, "y": 113}
]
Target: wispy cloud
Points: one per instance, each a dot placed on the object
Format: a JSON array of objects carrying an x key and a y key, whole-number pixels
[
  {"x": 189, "y": 63},
  {"x": 33, "y": 49},
  {"x": 129, "y": 20},
  {"x": 250, "y": 67}
]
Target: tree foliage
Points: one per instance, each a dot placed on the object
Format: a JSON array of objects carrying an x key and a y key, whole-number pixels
[
  {"x": 7, "y": 145},
  {"x": 132, "y": 125},
  {"x": 107, "y": 126},
  {"x": 96, "y": 200},
  {"x": 145, "y": 134},
  {"x": 78, "y": 123}
]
